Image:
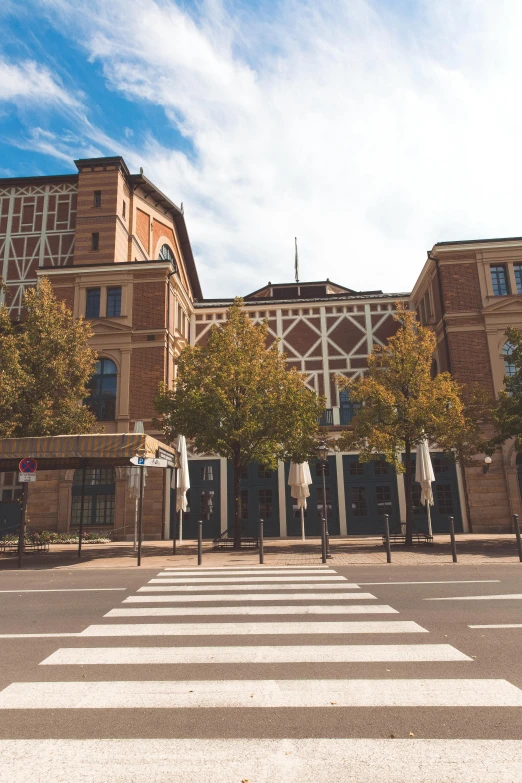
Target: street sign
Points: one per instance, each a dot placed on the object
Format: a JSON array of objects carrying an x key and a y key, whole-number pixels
[
  {"x": 27, "y": 465},
  {"x": 25, "y": 478},
  {"x": 163, "y": 454},
  {"x": 149, "y": 462}
]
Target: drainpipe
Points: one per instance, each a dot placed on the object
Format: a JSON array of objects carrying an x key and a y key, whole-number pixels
[{"x": 170, "y": 274}]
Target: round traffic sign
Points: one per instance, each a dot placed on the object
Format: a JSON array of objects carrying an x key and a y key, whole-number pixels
[{"x": 27, "y": 465}]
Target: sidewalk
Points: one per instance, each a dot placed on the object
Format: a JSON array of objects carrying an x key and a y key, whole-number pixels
[{"x": 471, "y": 550}]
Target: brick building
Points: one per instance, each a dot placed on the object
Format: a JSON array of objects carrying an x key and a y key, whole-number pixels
[
  {"x": 470, "y": 292},
  {"x": 117, "y": 250}
]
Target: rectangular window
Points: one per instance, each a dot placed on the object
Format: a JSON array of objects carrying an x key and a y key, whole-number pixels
[
  {"x": 76, "y": 509},
  {"x": 113, "y": 302},
  {"x": 266, "y": 509},
  {"x": 244, "y": 504},
  {"x": 207, "y": 503},
  {"x": 320, "y": 501},
  {"x": 263, "y": 474},
  {"x": 440, "y": 464},
  {"x": 444, "y": 499},
  {"x": 207, "y": 473},
  {"x": 499, "y": 280},
  {"x": 319, "y": 470},
  {"x": 358, "y": 499},
  {"x": 97, "y": 198},
  {"x": 383, "y": 495},
  {"x": 518, "y": 277},
  {"x": 380, "y": 467},
  {"x": 92, "y": 307},
  {"x": 123, "y": 209},
  {"x": 95, "y": 241},
  {"x": 356, "y": 469}
]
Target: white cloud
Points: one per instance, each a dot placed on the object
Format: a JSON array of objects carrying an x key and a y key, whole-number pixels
[
  {"x": 367, "y": 134},
  {"x": 29, "y": 81}
]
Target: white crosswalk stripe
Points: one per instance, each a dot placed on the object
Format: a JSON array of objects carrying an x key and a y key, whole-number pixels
[
  {"x": 216, "y": 611},
  {"x": 242, "y": 588},
  {"x": 260, "y": 693},
  {"x": 250, "y": 629},
  {"x": 266, "y": 597},
  {"x": 261, "y": 760},
  {"x": 183, "y": 611},
  {"x": 342, "y": 653},
  {"x": 247, "y": 579}
]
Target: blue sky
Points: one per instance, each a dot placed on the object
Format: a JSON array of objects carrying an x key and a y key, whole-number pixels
[{"x": 370, "y": 130}]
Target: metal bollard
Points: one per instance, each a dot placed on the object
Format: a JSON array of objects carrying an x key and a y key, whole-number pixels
[
  {"x": 452, "y": 536},
  {"x": 261, "y": 543},
  {"x": 387, "y": 537},
  {"x": 323, "y": 540},
  {"x": 200, "y": 542},
  {"x": 517, "y": 533}
]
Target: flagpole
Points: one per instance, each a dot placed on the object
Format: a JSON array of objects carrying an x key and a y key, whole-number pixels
[{"x": 296, "y": 263}]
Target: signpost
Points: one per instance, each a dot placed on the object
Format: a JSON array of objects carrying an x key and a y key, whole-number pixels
[
  {"x": 27, "y": 468},
  {"x": 149, "y": 462},
  {"x": 146, "y": 462}
]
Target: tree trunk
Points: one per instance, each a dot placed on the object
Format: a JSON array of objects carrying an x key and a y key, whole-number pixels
[
  {"x": 237, "y": 505},
  {"x": 408, "y": 491}
]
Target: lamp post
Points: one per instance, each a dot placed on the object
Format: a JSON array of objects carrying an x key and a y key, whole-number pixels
[
  {"x": 322, "y": 454},
  {"x": 487, "y": 463}
]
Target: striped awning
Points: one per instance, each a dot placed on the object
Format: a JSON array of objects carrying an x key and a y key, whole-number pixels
[{"x": 62, "y": 451}]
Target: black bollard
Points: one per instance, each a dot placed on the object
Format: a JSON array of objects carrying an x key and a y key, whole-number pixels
[
  {"x": 387, "y": 537},
  {"x": 261, "y": 543},
  {"x": 517, "y": 533},
  {"x": 200, "y": 542},
  {"x": 452, "y": 536}
]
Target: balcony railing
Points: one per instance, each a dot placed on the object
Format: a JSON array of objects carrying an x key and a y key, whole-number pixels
[
  {"x": 346, "y": 414},
  {"x": 326, "y": 420}
]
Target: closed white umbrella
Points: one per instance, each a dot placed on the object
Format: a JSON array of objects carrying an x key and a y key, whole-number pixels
[
  {"x": 183, "y": 482},
  {"x": 134, "y": 483},
  {"x": 425, "y": 476},
  {"x": 299, "y": 479}
]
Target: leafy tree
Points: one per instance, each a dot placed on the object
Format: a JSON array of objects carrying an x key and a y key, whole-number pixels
[
  {"x": 400, "y": 403},
  {"x": 237, "y": 398},
  {"x": 11, "y": 376},
  {"x": 53, "y": 363}
]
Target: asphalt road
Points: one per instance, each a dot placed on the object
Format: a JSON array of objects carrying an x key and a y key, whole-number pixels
[{"x": 231, "y": 685}]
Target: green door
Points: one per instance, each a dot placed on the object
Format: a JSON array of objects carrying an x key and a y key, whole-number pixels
[
  {"x": 370, "y": 492},
  {"x": 445, "y": 495},
  {"x": 314, "y": 504},
  {"x": 203, "y": 501},
  {"x": 259, "y": 500}
]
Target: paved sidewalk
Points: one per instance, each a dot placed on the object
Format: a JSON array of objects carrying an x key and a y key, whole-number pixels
[{"x": 471, "y": 549}]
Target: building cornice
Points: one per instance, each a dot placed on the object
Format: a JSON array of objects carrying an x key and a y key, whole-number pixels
[{"x": 91, "y": 268}]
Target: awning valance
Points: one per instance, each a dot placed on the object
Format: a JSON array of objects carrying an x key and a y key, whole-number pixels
[{"x": 72, "y": 451}]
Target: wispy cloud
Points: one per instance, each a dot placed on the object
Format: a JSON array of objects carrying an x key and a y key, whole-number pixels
[
  {"x": 368, "y": 133},
  {"x": 29, "y": 81}
]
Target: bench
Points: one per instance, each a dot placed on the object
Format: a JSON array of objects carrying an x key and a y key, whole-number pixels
[
  {"x": 226, "y": 540},
  {"x": 418, "y": 537}
]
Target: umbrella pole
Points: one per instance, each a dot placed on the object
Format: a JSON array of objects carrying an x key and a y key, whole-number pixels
[
  {"x": 180, "y": 525},
  {"x": 302, "y": 525},
  {"x": 135, "y": 523},
  {"x": 430, "y": 531}
]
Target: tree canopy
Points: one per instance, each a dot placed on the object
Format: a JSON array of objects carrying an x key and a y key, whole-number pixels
[
  {"x": 400, "y": 403},
  {"x": 237, "y": 398},
  {"x": 45, "y": 364}
]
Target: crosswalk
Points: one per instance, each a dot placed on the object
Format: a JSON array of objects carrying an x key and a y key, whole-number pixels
[{"x": 241, "y": 640}]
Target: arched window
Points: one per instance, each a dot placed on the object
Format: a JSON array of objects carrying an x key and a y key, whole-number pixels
[
  {"x": 166, "y": 253},
  {"x": 99, "y": 494},
  {"x": 509, "y": 367},
  {"x": 102, "y": 386}
]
